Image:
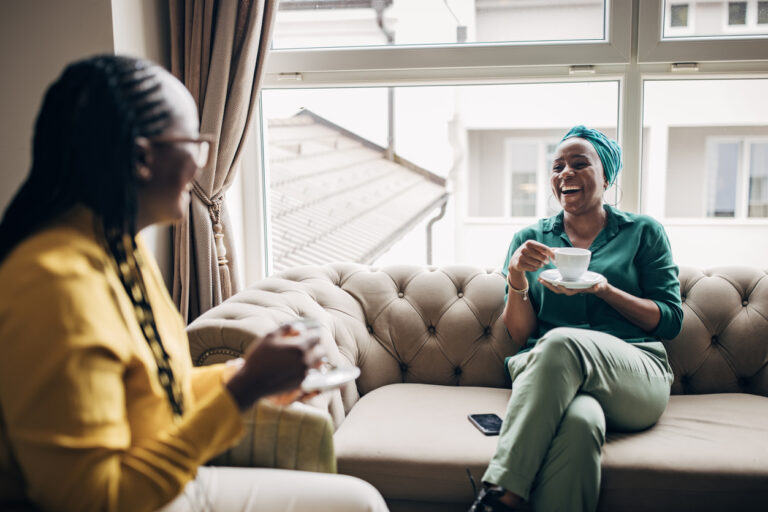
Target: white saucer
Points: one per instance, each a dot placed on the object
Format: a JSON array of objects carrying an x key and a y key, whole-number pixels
[
  {"x": 319, "y": 380},
  {"x": 587, "y": 280}
]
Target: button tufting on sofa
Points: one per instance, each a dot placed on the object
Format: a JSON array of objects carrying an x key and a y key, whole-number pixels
[
  {"x": 715, "y": 340},
  {"x": 457, "y": 371},
  {"x": 403, "y": 368},
  {"x": 744, "y": 302},
  {"x": 431, "y": 329},
  {"x": 461, "y": 294},
  {"x": 400, "y": 294}
]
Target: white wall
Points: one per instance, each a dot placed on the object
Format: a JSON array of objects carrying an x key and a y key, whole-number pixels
[
  {"x": 140, "y": 29},
  {"x": 37, "y": 39}
]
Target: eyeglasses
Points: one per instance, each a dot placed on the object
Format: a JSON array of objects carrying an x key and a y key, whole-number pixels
[{"x": 201, "y": 146}]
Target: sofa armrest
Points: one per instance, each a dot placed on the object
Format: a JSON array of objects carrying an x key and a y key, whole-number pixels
[{"x": 297, "y": 436}]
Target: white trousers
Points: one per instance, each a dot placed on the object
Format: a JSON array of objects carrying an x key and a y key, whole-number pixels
[{"x": 225, "y": 489}]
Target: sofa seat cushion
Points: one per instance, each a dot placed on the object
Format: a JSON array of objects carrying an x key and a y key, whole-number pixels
[
  {"x": 414, "y": 442},
  {"x": 707, "y": 452}
]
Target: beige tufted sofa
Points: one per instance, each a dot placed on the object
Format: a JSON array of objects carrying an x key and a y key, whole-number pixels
[{"x": 430, "y": 343}]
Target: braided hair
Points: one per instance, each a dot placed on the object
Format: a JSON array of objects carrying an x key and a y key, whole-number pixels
[{"x": 85, "y": 152}]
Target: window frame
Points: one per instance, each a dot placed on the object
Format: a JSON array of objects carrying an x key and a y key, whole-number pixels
[{"x": 335, "y": 66}]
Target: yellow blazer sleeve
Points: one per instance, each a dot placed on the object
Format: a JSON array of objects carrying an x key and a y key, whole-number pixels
[
  {"x": 208, "y": 379},
  {"x": 65, "y": 354}
]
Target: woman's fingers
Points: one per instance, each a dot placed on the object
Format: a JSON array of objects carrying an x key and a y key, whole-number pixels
[
  {"x": 562, "y": 290},
  {"x": 532, "y": 256}
]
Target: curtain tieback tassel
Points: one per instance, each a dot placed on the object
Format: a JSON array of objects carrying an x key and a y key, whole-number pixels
[
  {"x": 221, "y": 250},
  {"x": 214, "y": 210}
]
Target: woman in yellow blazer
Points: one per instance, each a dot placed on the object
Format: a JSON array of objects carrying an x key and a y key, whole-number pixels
[{"x": 100, "y": 407}]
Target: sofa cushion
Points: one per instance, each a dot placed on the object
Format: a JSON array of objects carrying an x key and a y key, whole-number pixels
[
  {"x": 707, "y": 452},
  {"x": 414, "y": 442}
]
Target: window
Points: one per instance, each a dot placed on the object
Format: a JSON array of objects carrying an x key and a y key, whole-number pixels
[
  {"x": 706, "y": 21},
  {"x": 762, "y": 12},
  {"x": 678, "y": 15},
  {"x": 328, "y": 148},
  {"x": 345, "y": 23},
  {"x": 737, "y": 13},
  {"x": 738, "y": 175},
  {"x": 472, "y": 124},
  {"x": 521, "y": 162},
  {"x": 723, "y": 182},
  {"x": 704, "y": 162},
  {"x": 678, "y": 19}
]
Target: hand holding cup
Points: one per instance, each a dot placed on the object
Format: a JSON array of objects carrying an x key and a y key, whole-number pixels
[{"x": 276, "y": 364}]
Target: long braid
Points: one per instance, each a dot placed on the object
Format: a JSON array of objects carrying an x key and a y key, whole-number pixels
[{"x": 84, "y": 151}]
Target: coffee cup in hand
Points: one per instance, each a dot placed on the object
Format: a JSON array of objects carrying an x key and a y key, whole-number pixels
[{"x": 572, "y": 262}]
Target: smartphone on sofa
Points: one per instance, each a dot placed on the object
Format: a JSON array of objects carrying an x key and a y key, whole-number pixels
[{"x": 488, "y": 424}]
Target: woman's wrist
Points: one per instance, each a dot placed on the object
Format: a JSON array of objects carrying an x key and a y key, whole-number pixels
[
  {"x": 515, "y": 288},
  {"x": 604, "y": 290},
  {"x": 517, "y": 280},
  {"x": 244, "y": 392}
]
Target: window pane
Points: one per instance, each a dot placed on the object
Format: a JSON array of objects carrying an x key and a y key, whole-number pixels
[
  {"x": 694, "y": 131},
  {"x": 723, "y": 178},
  {"x": 762, "y": 12},
  {"x": 337, "y": 192},
  {"x": 758, "y": 180},
  {"x": 522, "y": 162},
  {"x": 715, "y": 18},
  {"x": 339, "y": 23},
  {"x": 737, "y": 13},
  {"x": 679, "y": 15}
]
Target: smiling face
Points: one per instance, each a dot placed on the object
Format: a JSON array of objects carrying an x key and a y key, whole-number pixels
[
  {"x": 577, "y": 179},
  {"x": 165, "y": 177}
]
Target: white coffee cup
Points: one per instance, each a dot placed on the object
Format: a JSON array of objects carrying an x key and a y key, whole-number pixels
[{"x": 572, "y": 262}]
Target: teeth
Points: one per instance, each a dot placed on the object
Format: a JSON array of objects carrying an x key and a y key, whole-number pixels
[{"x": 569, "y": 188}]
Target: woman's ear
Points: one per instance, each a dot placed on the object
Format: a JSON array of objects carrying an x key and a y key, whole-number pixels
[{"x": 143, "y": 158}]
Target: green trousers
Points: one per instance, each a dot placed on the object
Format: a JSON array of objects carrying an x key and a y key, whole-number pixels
[{"x": 565, "y": 392}]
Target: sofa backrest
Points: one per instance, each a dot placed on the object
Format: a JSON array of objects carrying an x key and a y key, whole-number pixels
[
  {"x": 443, "y": 325},
  {"x": 723, "y": 347}
]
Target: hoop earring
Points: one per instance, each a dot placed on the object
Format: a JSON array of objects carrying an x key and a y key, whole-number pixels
[{"x": 618, "y": 197}]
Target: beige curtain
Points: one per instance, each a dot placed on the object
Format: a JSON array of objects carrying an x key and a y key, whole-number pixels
[{"x": 218, "y": 49}]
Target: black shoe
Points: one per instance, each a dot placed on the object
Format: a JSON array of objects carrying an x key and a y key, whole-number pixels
[{"x": 487, "y": 500}]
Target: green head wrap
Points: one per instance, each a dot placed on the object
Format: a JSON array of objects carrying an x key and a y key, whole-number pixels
[{"x": 607, "y": 149}]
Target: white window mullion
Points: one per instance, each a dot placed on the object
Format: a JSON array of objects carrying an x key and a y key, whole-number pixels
[{"x": 742, "y": 187}]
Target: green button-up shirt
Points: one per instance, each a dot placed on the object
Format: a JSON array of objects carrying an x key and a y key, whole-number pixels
[{"x": 633, "y": 253}]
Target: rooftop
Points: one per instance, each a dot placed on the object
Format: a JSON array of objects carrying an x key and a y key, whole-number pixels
[{"x": 336, "y": 197}]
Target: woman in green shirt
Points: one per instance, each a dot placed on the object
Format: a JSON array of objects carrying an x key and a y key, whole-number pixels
[{"x": 591, "y": 359}]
